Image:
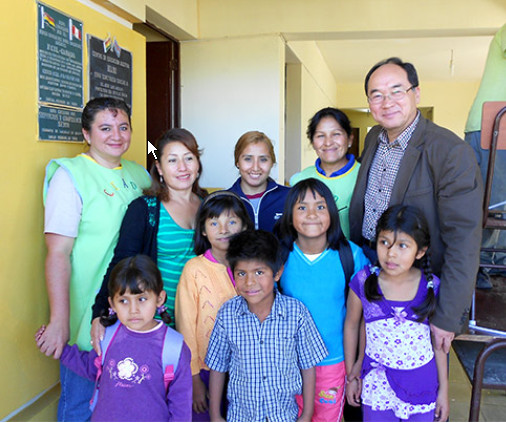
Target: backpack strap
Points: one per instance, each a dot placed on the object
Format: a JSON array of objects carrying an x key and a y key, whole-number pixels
[
  {"x": 346, "y": 256},
  {"x": 110, "y": 334},
  {"x": 171, "y": 351}
]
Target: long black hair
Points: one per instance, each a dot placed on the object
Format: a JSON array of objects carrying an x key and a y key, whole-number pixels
[
  {"x": 287, "y": 234},
  {"x": 411, "y": 221},
  {"x": 136, "y": 274}
]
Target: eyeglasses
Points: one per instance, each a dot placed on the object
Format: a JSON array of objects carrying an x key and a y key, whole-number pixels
[{"x": 396, "y": 94}]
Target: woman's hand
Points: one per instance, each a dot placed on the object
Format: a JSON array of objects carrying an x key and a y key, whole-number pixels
[
  {"x": 97, "y": 334},
  {"x": 353, "y": 391},
  {"x": 51, "y": 339},
  {"x": 199, "y": 395}
]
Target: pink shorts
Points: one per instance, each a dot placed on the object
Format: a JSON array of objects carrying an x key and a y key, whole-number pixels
[{"x": 329, "y": 393}]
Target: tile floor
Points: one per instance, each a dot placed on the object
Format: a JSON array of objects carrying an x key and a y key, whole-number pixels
[{"x": 493, "y": 402}]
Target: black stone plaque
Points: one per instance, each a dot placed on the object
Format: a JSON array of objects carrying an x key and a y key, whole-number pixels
[
  {"x": 110, "y": 70},
  {"x": 57, "y": 124},
  {"x": 60, "y": 58}
]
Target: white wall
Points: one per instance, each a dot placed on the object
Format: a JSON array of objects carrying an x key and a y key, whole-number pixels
[
  {"x": 318, "y": 89},
  {"x": 228, "y": 87}
]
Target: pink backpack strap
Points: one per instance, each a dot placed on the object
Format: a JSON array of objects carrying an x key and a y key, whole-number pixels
[
  {"x": 110, "y": 334},
  {"x": 171, "y": 351}
]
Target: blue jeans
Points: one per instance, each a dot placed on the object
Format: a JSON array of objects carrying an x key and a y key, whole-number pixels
[
  {"x": 491, "y": 237},
  {"x": 76, "y": 393}
]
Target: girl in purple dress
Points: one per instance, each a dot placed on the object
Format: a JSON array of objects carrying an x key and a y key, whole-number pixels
[
  {"x": 145, "y": 374},
  {"x": 403, "y": 377}
]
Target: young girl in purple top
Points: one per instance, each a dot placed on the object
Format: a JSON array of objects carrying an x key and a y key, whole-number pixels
[
  {"x": 403, "y": 377},
  {"x": 131, "y": 377}
]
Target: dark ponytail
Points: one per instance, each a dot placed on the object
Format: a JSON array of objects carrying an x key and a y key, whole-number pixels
[
  {"x": 428, "y": 306},
  {"x": 371, "y": 286},
  {"x": 108, "y": 317},
  {"x": 165, "y": 316}
]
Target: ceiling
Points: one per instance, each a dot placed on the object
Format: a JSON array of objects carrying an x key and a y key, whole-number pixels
[
  {"x": 444, "y": 55},
  {"x": 435, "y": 58}
]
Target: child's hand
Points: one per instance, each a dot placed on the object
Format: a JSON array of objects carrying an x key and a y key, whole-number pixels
[
  {"x": 199, "y": 395},
  {"x": 356, "y": 371},
  {"x": 353, "y": 391},
  {"x": 442, "y": 406},
  {"x": 304, "y": 418}
]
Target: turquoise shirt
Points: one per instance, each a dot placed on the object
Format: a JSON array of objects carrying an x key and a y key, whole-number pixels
[
  {"x": 320, "y": 285},
  {"x": 175, "y": 248}
]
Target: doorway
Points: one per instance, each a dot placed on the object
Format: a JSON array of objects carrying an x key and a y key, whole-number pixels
[{"x": 162, "y": 84}]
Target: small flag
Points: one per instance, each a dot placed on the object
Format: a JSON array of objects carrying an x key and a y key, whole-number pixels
[
  {"x": 107, "y": 43},
  {"x": 74, "y": 31},
  {"x": 49, "y": 20},
  {"x": 116, "y": 48}
]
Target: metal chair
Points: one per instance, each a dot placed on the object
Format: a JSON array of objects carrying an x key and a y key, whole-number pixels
[
  {"x": 473, "y": 352},
  {"x": 493, "y": 218}
]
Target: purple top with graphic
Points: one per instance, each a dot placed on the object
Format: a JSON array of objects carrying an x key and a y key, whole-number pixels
[
  {"x": 131, "y": 384},
  {"x": 399, "y": 371}
]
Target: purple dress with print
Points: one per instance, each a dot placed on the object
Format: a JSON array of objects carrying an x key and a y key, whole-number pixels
[{"x": 399, "y": 371}]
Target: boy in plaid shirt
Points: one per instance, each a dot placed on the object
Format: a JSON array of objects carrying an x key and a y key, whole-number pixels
[{"x": 267, "y": 341}]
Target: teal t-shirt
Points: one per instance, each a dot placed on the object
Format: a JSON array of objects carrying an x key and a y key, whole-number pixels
[
  {"x": 175, "y": 248},
  {"x": 320, "y": 285}
]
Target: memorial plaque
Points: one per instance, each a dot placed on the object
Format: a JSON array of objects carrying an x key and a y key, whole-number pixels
[
  {"x": 110, "y": 70},
  {"x": 57, "y": 124},
  {"x": 60, "y": 58}
]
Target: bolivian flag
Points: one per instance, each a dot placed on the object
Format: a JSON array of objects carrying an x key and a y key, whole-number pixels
[
  {"x": 107, "y": 44},
  {"x": 48, "y": 19}
]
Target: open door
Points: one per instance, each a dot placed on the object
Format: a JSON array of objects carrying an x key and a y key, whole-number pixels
[{"x": 162, "y": 84}]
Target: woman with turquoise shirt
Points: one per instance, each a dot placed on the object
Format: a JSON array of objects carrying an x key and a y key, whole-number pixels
[
  {"x": 329, "y": 132},
  {"x": 85, "y": 199},
  {"x": 160, "y": 224}
]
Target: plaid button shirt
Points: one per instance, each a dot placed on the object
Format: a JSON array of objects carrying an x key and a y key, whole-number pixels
[
  {"x": 382, "y": 175},
  {"x": 264, "y": 359}
]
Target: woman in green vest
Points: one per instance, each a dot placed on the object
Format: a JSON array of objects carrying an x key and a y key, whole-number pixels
[
  {"x": 85, "y": 198},
  {"x": 329, "y": 132}
]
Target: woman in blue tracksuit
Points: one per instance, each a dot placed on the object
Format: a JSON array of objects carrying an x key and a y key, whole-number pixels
[{"x": 263, "y": 197}]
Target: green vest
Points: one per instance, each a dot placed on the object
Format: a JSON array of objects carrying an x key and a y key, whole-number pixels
[{"x": 105, "y": 194}]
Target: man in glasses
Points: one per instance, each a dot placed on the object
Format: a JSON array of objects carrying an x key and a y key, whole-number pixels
[{"x": 409, "y": 159}]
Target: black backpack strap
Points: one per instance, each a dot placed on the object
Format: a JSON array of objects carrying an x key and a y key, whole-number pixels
[{"x": 347, "y": 262}]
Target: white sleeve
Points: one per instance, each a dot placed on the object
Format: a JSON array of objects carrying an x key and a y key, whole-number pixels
[{"x": 63, "y": 206}]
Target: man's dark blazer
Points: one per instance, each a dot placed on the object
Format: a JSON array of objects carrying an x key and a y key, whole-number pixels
[{"x": 439, "y": 175}]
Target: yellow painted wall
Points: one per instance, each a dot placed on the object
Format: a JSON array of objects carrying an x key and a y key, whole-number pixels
[
  {"x": 451, "y": 100},
  {"x": 296, "y": 18},
  {"x": 26, "y": 372},
  {"x": 178, "y": 18}
]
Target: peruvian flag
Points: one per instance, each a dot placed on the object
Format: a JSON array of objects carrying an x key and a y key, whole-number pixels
[{"x": 74, "y": 31}]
